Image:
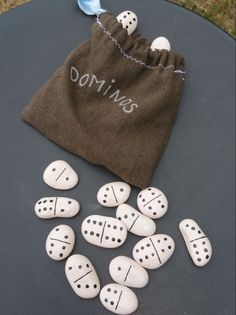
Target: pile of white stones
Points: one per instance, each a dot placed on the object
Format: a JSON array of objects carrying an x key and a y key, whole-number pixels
[{"x": 151, "y": 252}]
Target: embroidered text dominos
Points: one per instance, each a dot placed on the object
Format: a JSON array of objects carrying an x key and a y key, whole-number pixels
[{"x": 89, "y": 80}]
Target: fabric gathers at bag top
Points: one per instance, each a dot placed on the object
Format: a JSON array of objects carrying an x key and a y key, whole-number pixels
[{"x": 113, "y": 102}]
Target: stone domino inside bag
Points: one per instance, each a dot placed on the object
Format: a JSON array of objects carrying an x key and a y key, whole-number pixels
[{"x": 113, "y": 102}]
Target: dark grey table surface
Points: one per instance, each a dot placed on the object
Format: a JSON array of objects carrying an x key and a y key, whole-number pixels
[{"x": 196, "y": 171}]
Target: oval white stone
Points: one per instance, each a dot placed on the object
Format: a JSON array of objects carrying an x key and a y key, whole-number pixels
[
  {"x": 60, "y": 242},
  {"x": 129, "y": 21},
  {"x": 126, "y": 271},
  {"x": 152, "y": 202},
  {"x": 136, "y": 222},
  {"x": 60, "y": 175},
  {"x": 113, "y": 194},
  {"x": 154, "y": 251},
  {"x": 104, "y": 231},
  {"x": 118, "y": 299},
  {"x": 161, "y": 43},
  {"x": 198, "y": 244},
  {"x": 56, "y": 207},
  {"x": 82, "y": 276}
]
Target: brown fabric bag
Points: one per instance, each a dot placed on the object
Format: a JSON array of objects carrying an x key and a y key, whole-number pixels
[{"x": 113, "y": 102}]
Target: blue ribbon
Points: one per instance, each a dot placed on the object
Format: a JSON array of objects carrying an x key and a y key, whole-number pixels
[{"x": 90, "y": 7}]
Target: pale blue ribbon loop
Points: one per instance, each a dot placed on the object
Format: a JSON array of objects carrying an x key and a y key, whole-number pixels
[{"x": 90, "y": 7}]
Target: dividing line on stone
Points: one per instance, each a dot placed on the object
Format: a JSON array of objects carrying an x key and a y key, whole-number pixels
[
  {"x": 134, "y": 222},
  {"x": 103, "y": 231},
  {"x": 55, "y": 207},
  {"x": 114, "y": 194},
  {"x": 118, "y": 300},
  {"x": 60, "y": 174},
  {"x": 83, "y": 276},
  {"x": 55, "y": 239},
  {"x": 155, "y": 250},
  {"x": 127, "y": 273},
  {"x": 151, "y": 200},
  {"x": 199, "y": 238}
]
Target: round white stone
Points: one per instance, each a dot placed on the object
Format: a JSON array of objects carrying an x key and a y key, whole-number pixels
[
  {"x": 118, "y": 299},
  {"x": 82, "y": 276},
  {"x": 60, "y": 242},
  {"x": 136, "y": 222},
  {"x": 154, "y": 251},
  {"x": 60, "y": 175},
  {"x": 128, "y": 272},
  {"x": 129, "y": 21},
  {"x": 56, "y": 207},
  {"x": 113, "y": 194},
  {"x": 161, "y": 43},
  {"x": 104, "y": 231},
  {"x": 198, "y": 244},
  {"x": 152, "y": 202}
]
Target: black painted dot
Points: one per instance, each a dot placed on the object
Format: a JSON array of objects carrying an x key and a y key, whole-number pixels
[
  {"x": 199, "y": 232},
  {"x": 162, "y": 206},
  {"x": 113, "y": 239},
  {"x": 94, "y": 222},
  {"x": 51, "y": 200},
  {"x": 205, "y": 250},
  {"x": 45, "y": 209},
  {"x": 142, "y": 247},
  {"x": 163, "y": 250},
  {"x": 119, "y": 240},
  {"x": 140, "y": 196},
  {"x": 141, "y": 260},
  {"x": 165, "y": 239},
  {"x": 95, "y": 286},
  {"x": 88, "y": 221},
  {"x": 107, "y": 189},
  {"x": 53, "y": 169},
  {"x": 39, "y": 210},
  {"x": 91, "y": 233},
  {"x": 106, "y": 300},
  {"x": 187, "y": 225},
  {"x": 85, "y": 232},
  {"x": 112, "y": 303},
  {"x": 124, "y": 16},
  {"x": 50, "y": 208},
  {"x": 108, "y": 225},
  {"x": 119, "y": 218},
  {"x": 97, "y": 234},
  {"x": 63, "y": 247},
  {"x": 62, "y": 210},
  {"x": 78, "y": 286},
  {"x": 105, "y": 195},
  {"x": 69, "y": 202},
  {"x": 195, "y": 245},
  {"x": 159, "y": 201},
  {"x": 133, "y": 214},
  {"x": 150, "y": 208},
  {"x": 146, "y": 256},
  {"x": 203, "y": 243},
  {"x": 128, "y": 12},
  {"x": 143, "y": 200},
  {"x": 61, "y": 255},
  {"x": 39, "y": 203},
  {"x": 207, "y": 256},
  {"x": 50, "y": 252},
  {"x": 119, "y": 268},
  {"x": 130, "y": 23},
  {"x": 107, "y": 237},
  {"x": 153, "y": 193},
  {"x": 80, "y": 267},
  {"x": 148, "y": 245},
  {"x": 67, "y": 178},
  {"x": 169, "y": 247},
  {"x": 122, "y": 189},
  {"x": 199, "y": 259},
  {"x": 193, "y": 228},
  {"x": 158, "y": 241},
  {"x": 104, "y": 201},
  {"x": 134, "y": 19},
  {"x": 66, "y": 237},
  {"x": 154, "y": 213},
  {"x": 114, "y": 227},
  {"x": 149, "y": 189},
  {"x": 52, "y": 244},
  {"x": 57, "y": 229},
  {"x": 109, "y": 290},
  {"x": 125, "y": 216},
  {"x": 44, "y": 201},
  {"x": 70, "y": 268},
  {"x": 121, "y": 228},
  {"x": 87, "y": 286},
  {"x": 197, "y": 253},
  {"x": 137, "y": 250},
  {"x": 100, "y": 223},
  {"x": 152, "y": 254}
]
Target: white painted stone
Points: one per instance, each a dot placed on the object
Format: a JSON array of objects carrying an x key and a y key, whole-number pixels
[
  {"x": 154, "y": 251},
  {"x": 60, "y": 242},
  {"x": 56, "y": 207},
  {"x": 129, "y": 21},
  {"x": 197, "y": 242},
  {"x": 161, "y": 43},
  {"x": 118, "y": 299},
  {"x": 104, "y": 231},
  {"x": 136, "y": 222},
  {"x": 60, "y": 175},
  {"x": 82, "y": 276},
  {"x": 113, "y": 194},
  {"x": 128, "y": 272},
  {"x": 152, "y": 202}
]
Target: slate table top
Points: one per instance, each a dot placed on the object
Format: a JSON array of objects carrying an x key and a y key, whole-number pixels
[{"x": 196, "y": 171}]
